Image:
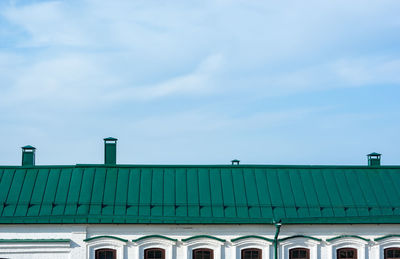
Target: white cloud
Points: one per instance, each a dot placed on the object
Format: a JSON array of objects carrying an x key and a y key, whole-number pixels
[
  {"x": 342, "y": 73},
  {"x": 364, "y": 71},
  {"x": 47, "y": 23},
  {"x": 258, "y": 41},
  {"x": 64, "y": 80},
  {"x": 138, "y": 67},
  {"x": 199, "y": 81}
]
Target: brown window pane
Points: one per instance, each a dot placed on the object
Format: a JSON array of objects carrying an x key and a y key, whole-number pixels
[
  {"x": 392, "y": 253},
  {"x": 154, "y": 253},
  {"x": 203, "y": 253},
  {"x": 299, "y": 253},
  {"x": 106, "y": 254},
  {"x": 251, "y": 253},
  {"x": 347, "y": 253}
]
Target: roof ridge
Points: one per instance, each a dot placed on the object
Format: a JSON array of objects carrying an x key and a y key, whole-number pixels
[{"x": 203, "y": 166}]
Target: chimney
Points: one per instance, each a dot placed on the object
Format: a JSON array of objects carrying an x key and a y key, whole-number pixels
[
  {"x": 235, "y": 162},
  {"x": 28, "y": 156},
  {"x": 110, "y": 151},
  {"x": 374, "y": 159}
]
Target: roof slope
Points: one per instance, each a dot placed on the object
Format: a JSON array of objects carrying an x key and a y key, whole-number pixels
[{"x": 199, "y": 194}]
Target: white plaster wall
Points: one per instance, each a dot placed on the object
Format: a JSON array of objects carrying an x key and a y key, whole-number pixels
[
  {"x": 36, "y": 256},
  {"x": 78, "y": 249}
]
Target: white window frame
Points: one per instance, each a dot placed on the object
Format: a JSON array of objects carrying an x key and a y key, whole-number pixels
[
  {"x": 349, "y": 242},
  {"x": 106, "y": 243},
  {"x": 169, "y": 246},
  {"x": 204, "y": 242},
  {"x": 388, "y": 243},
  {"x": 300, "y": 242},
  {"x": 248, "y": 243}
]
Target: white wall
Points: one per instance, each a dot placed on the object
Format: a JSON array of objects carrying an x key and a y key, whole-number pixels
[{"x": 230, "y": 250}]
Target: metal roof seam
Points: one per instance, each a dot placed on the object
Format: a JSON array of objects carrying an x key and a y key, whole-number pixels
[
  {"x": 292, "y": 192},
  {"x": 256, "y": 190},
  {"x": 19, "y": 192},
  {"x": 371, "y": 187},
  {"x": 314, "y": 191},
  {"x": 44, "y": 190},
  {"x": 227, "y": 195},
  {"x": 327, "y": 191},
  {"x": 8, "y": 191},
  {"x": 384, "y": 190},
  {"x": 245, "y": 192}
]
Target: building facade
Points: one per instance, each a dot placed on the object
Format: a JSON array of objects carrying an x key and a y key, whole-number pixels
[{"x": 234, "y": 211}]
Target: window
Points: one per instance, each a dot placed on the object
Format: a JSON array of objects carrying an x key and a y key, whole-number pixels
[
  {"x": 251, "y": 253},
  {"x": 203, "y": 253},
  {"x": 154, "y": 253},
  {"x": 392, "y": 253},
  {"x": 347, "y": 253},
  {"x": 106, "y": 254},
  {"x": 299, "y": 253}
]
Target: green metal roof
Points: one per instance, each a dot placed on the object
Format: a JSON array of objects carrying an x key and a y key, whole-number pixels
[{"x": 240, "y": 194}]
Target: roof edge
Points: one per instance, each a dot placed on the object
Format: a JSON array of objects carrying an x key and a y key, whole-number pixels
[
  {"x": 345, "y": 236},
  {"x": 35, "y": 240},
  {"x": 300, "y": 236},
  {"x": 155, "y": 236},
  {"x": 251, "y": 236},
  {"x": 204, "y": 166},
  {"x": 204, "y": 236},
  {"x": 110, "y": 237},
  {"x": 384, "y": 237}
]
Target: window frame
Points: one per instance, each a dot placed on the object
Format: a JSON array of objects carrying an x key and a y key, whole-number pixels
[
  {"x": 202, "y": 249},
  {"x": 154, "y": 248},
  {"x": 389, "y": 248},
  {"x": 204, "y": 242},
  {"x": 251, "y": 249},
  {"x": 299, "y": 248},
  {"x": 289, "y": 243},
  {"x": 97, "y": 251},
  {"x": 246, "y": 242},
  {"x": 155, "y": 241},
  {"x": 347, "y": 248},
  {"x": 106, "y": 242},
  {"x": 361, "y": 245}
]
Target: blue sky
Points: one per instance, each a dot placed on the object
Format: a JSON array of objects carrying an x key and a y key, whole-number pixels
[{"x": 200, "y": 82}]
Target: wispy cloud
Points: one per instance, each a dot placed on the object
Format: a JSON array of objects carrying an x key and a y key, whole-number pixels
[
  {"x": 198, "y": 82},
  {"x": 343, "y": 73},
  {"x": 258, "y": 41},
  {"x": 233, "y": 70}
]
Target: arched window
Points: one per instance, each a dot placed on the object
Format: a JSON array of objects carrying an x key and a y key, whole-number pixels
[
  {"x": 106, "y": 254},
  {"x": 347, "y": 253},
  {"x": 251, "y": 253},
  {"x": 154, "y": 253},
  {"x": 203, "y": 253},
  {"x": 392, "y": 253},
  {"x": 299, "y": 253}
]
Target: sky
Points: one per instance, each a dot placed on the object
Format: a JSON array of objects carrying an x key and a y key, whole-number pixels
[{"x": 200, "y": 82}]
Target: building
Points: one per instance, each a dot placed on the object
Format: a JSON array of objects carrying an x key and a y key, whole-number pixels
[{"x": 233, "y": 211}]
